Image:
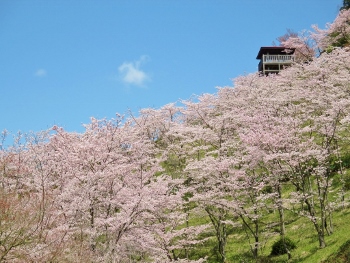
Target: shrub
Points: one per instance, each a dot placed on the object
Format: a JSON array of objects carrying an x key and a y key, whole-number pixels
[{"x": 279, "y": 249}]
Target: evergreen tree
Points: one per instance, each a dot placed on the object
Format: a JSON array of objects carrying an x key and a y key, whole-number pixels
[{"x": 346, "y": 4}]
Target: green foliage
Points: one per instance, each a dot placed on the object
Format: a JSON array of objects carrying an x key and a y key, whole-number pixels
[
  {"x": 346, "y": 160},
  {"x": 329, "y": 49},
  {"x": 347, "y": 181},
  {"x": 341, "y": 41},
  {"x": 267, "y": 189},
  {"x": 346, "y": 4},
  {"x": 336, "y": 163},
  {"x": 278, "y": 247}
]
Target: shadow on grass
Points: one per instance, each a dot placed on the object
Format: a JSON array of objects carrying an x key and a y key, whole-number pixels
[
  {"x": 247, "y": 257},
  {"x": 341, "y": 256}
]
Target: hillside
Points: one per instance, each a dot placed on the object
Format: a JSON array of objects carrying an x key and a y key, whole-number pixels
[{"x": 220, "y": 178}]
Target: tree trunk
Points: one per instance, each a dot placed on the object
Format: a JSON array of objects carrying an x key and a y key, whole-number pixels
[
  {"x": 282, "y": 225},
  {"x": 319, "y": 229},
  {"x": 222, "y": 243},
  {"x": 220, "y": 229},
  {"x": 256, "y": 247}
]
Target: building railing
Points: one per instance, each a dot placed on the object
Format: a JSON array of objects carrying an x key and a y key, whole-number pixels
[{"x": 277, "y": 58}]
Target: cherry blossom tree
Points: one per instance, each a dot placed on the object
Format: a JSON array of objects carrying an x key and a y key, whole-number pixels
[
  {"x": 112, "y": 195},
  {"x": 27, "y": 221},
  {"x": 313, "y": 42},
  {"x": 117, "y": 192},
  {"x": 297, "y": 119},
  {"x": 336, "y": 34},
  {"x": 251, "y": 104},
  {"x": 302, "y": 43},
  {"x": 220, "y": 180},
  {"x": 206, "y": 141},
  {"x": 100, "y": 193}
]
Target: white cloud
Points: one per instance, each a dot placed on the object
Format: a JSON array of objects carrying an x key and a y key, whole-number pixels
[
  {"x": 40, "y": 73},
  {"x": 131, "y": 73}
]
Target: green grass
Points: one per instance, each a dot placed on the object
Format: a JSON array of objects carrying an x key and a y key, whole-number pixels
[
  {"x": 342, "y": 256},
  {"x": 298, "y": 229}
]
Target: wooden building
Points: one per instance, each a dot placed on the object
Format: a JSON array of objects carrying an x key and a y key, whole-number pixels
[{"x": 274, "y": 59}]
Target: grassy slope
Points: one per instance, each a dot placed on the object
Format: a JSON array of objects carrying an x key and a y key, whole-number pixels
[
  {"x": 342, "y": 256},
  {"x": 298, "y": 229},
  {"x": 301, "y": 232}
]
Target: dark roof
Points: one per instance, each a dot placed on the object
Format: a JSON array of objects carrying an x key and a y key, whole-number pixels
[{"x": 273, "y": 51}]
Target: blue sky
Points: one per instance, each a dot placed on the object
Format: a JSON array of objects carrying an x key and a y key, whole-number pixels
[{"x": 62, "y": 62}]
